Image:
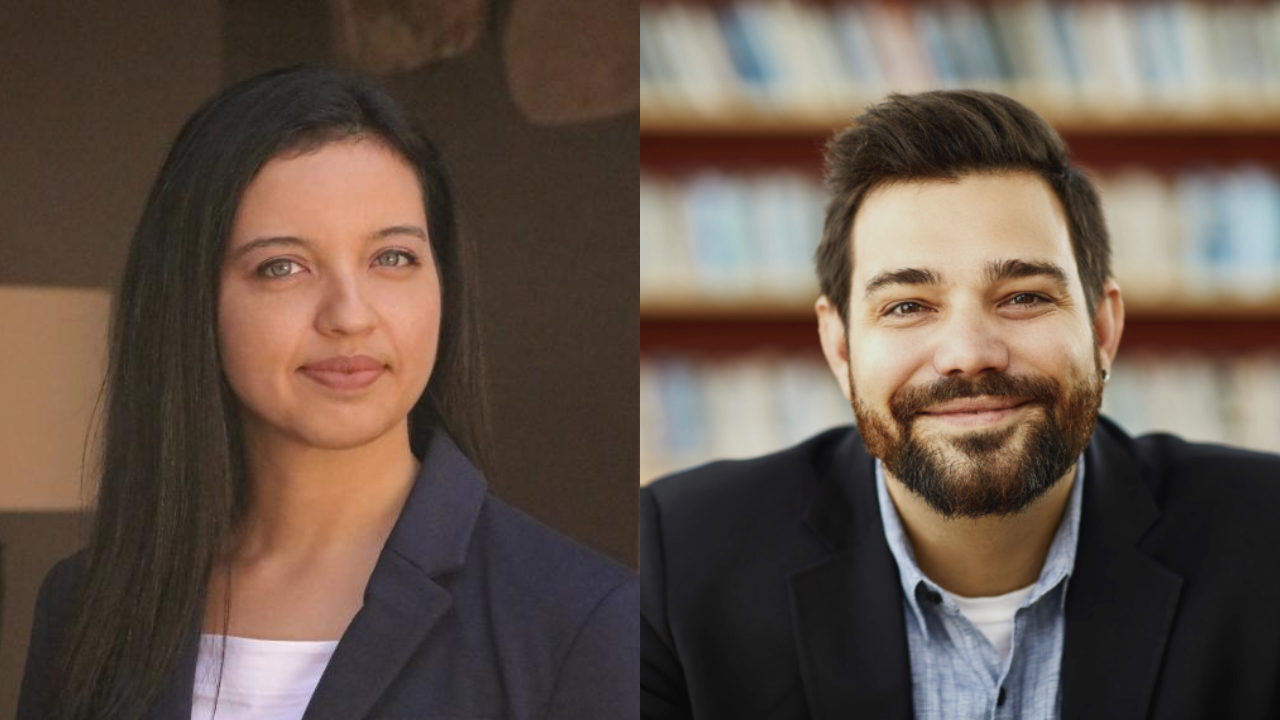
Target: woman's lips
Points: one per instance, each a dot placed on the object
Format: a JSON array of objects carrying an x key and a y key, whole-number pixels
[{"x": 343, "y": 381}]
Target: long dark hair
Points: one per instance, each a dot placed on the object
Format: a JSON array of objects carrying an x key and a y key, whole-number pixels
[{"x": 173, "y": 483}]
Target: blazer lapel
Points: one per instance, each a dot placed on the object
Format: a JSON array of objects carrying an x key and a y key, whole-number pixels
[
  {"x": 1120, "y": 602},
  {"x": 399, "y": 609},
  {"x": 403, "y": 599},
  {"x": 846, "y": 611}
]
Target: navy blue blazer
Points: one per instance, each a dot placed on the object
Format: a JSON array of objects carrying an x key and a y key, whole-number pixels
[{"x": 474, "y": 611}]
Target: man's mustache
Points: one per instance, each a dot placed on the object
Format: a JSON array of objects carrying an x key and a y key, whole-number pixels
[{"x": 908, "y": 402}]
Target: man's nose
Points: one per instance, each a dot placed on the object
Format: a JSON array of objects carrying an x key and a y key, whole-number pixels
[{"x": 969, "y": 344}]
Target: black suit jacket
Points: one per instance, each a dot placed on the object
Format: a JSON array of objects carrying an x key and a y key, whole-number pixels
[
  {"x": 769, "y": 592},
  {"x": 474, "y": 611}
]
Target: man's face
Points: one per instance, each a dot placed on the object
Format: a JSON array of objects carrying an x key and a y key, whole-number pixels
[{"x": 974, "y": 369}]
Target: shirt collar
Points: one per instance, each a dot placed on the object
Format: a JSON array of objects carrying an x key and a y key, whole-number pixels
[{"x": 1058, "y": 564}]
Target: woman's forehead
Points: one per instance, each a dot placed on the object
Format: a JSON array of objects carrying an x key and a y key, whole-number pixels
[{"x": 349, "y": 187}]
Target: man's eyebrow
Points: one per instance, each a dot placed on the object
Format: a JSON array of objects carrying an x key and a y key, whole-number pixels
[
  {"x": 998, "y": 270},
  {"x": 904, "y": 276},
  {"x": 292, "y": 241}
]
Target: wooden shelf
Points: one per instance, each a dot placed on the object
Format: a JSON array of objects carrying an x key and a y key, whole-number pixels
[
  {"x": 1139, "y": 123},
  {"x": 677, "y": 154},
  {"x": 709, "y": 309}
]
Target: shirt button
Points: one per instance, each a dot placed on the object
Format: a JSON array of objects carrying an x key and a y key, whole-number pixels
[
  {"x": 934, "y": 597},
  {"x": 1000, "y": 698}
]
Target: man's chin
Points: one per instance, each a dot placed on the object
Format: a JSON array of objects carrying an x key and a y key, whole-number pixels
[
  {"x": 997, "y": 456},
  {"x": 973, "y": 474},
  {"x": 976, "y": 444}
]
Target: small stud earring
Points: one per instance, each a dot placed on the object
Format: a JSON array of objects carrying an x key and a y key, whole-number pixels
[{"x": 1106, "y": 376}]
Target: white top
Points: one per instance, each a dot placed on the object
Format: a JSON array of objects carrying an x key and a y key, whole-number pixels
[
  {"x": 994, "y": 616},
  {"x": 261, "y": 679}
]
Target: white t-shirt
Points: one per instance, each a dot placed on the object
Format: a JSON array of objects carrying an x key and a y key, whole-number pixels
[
  {"x": 994, "y": 616},
  {"x": 261, "y": 679}
]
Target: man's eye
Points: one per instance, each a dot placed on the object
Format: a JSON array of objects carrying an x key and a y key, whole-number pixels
[
  {"x": 906, "y": 308},
  {"x": 1026, "y": 299}
]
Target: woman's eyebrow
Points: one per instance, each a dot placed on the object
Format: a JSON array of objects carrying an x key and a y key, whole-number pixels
[
  {"x": 414, "y": 230},
  {"x": 293, "y": 241}
]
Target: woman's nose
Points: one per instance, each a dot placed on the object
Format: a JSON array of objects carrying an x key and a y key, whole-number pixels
[{"x": 345, "y": 308}]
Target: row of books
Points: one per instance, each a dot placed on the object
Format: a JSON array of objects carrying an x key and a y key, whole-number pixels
[
  {"x": 1199, "y": 235},
  {"x": 696, "y": 410},
  {"x": 1108, "y": 58},
  {"x": 725, "y": 236}
]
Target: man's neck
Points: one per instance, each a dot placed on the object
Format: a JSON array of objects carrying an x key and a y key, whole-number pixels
[{"x": 984, "y": 557}]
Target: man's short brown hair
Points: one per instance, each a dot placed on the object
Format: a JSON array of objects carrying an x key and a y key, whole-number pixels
[{"x": 944, "y": 135}]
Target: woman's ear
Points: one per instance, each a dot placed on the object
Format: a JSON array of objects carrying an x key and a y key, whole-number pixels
[{"x": 835, "y": 343}]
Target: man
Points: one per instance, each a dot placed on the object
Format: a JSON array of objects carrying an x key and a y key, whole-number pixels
[{"x": 982, "y": 545}]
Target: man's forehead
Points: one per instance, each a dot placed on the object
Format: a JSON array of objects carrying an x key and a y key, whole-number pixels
[{"x": 959, "y": 228}]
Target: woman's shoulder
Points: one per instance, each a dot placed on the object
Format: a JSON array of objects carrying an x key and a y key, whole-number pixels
[
  {"x": 524, "y": 546},
  {"x": 57, "y": 592},
  {"x": 59, "y": 584},
  {"x": 559, "y": 610},
  {"x": 542, "y": 570}
]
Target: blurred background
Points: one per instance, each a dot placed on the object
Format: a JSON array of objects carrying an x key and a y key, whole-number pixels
[
  {"x": 534, "y": 104},
  {"x": 1173, "y": 108}
]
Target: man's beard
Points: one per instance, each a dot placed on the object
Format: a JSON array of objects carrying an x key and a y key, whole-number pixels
[{"x": 993, "y": 475}]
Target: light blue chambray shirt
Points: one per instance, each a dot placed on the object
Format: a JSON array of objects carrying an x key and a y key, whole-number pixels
[{"x": 955, "y": 671}]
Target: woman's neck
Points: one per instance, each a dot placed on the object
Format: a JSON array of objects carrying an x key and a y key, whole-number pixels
[{"x": 307, "y": 501}]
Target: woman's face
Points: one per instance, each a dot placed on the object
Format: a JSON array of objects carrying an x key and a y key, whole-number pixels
[{"x": 329, "y": 259}]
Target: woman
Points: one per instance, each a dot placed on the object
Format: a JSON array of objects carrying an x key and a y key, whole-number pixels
[{"x": 289, "y": 519}]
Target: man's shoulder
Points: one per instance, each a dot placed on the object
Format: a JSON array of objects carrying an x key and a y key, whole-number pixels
[
  {"x": 1198, "y": 477},
  {"x": 782, "y": 480},
  {"x": 1168, "y": 459}
]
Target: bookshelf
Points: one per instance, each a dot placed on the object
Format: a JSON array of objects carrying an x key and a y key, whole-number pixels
[
  {"x": 1156, "y": 123},
  {"x": 1214, "y": 122}
]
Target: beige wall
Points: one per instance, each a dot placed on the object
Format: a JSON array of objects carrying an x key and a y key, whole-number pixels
[{"x": 51, "y": 370}]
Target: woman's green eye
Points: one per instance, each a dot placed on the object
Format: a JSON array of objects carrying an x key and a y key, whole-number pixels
[
  {"x": 410, "y": 258},
  {"x": 266, "y": 270}
]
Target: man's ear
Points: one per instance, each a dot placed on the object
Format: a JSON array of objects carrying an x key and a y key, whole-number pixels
[
  {"x": 835, "y": 345},
  {"x": 1108, "y": 322}
]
